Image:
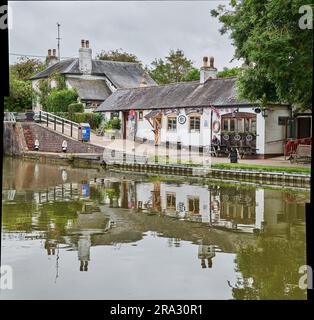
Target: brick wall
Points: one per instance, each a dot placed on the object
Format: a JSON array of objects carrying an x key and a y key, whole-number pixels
[{"x": 50, "y": 141}]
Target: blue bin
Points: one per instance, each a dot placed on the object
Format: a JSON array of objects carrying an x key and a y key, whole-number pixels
[{"x": 84, "y": 132}]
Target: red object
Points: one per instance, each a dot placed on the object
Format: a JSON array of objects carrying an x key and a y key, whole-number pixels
[
  {"x": 132, "y": 113},
  {"x": 291, "y": 145}
]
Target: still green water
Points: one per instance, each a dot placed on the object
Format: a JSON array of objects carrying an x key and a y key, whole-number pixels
[{"x": 71, "y": 233}]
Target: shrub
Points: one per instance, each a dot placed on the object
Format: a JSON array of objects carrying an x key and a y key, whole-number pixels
[
  {"x": 59, "y": 100},
  {"x": 93, "y": 119},
  {"x": 114, "y": 124},
  {"x": 75, "y": 107}
]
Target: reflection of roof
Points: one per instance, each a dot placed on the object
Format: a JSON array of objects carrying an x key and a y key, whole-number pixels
[
  {"x": 215, "y": 92},
  {"x": 90, "y": 89},
  {"x": 120, "y": 74}
]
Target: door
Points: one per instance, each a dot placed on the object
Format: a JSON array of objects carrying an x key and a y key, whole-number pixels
[
  {"x": 304, "y": 127},
  {"x": 156, "y": 128},
  {"x": 125, "y": 123}
]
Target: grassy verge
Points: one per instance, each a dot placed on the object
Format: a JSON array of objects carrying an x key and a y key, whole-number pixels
[{"x": 260, "y": 167}]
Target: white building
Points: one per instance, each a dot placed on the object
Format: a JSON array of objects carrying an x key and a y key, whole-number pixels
[
  {"x": 94, "y": 79},
  {"x": 197, "y": 113}
]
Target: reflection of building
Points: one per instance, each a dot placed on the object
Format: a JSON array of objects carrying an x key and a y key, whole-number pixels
[
  {"x": 237, "y": 209},
  {"x": 83, "y": 250},
  {"x": 232, "y": 208},
  {"x": 206, "y": 253}
]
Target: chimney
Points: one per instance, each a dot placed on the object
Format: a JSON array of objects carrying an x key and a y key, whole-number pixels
[
  {"x": 51, "y": 58},
  {"x": 207, "y": 71},
  {"x": 85, "y": 57}
]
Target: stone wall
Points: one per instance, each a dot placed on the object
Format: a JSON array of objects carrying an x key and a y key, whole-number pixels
[
  {"x": 50, "y": 141},
  {"x": 11, "y": 139}
]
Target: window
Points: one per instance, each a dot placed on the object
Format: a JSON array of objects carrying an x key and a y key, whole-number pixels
[
  {"x": 140, "y": 115},
  {"x": 194, "y": 205},
  {"x": 172, "y": 124},
  {"x": 253, "y": 125},
  {"x": 241, "y": 122},
  {"x": 246, "y": 124},
  {"x": 240, "y": 127},
  {"x": 231, "y": 126},
  {"x": 171, "y": 201},
  {"x": 195, "y": 123}
]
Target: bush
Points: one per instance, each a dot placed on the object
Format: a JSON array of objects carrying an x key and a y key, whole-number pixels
[
  {"x": 59, "y": 100},
  {"x": 114, "y": 124},
  {"x": 75, "y": 107},
  {"x": 20, "y": 98},
  {"x": 94, "y": 119}
]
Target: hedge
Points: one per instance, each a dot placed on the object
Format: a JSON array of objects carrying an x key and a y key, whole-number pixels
[
  {"x": 59, "y": 100},
  {"x": 75, "y": 107},
  {"x": 94, "y": 119}
]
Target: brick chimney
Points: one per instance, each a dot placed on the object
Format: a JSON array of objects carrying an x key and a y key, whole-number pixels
[
  {"x": 51, "y": 58},
  {"x": 85, "y": 57},
  {"x": 208, "y": 71}
]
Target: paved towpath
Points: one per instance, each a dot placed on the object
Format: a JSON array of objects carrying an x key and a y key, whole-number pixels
[{"x": 140, "y": 149}]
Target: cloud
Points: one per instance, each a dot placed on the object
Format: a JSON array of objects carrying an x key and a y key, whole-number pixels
[{"x": 147, "y": 29}]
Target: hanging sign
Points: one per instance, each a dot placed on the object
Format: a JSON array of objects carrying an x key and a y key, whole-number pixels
[{"x": 182, "y": 119}]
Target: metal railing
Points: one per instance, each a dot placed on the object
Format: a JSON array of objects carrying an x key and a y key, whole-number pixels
[
  {"x": 9, "y": 117},
  {"x": 57, "y": 123},
  {"x": 291, "y": 145}
]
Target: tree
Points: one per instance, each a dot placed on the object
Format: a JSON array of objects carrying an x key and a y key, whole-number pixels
[
  {"x": 174, "y": 68},
  {"x": 26, "y": 68},
  {"x": 21, "y": 94},
  {"x": 59, "y": 100},
  {"x": 192, "y": 75},
  {"x": 117, "y": 55},
  {"x": 228, "y": 72},
  {"x": 267, "y": 36}
]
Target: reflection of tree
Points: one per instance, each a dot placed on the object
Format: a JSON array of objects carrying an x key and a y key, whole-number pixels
[{"x": 270, "y": 270}]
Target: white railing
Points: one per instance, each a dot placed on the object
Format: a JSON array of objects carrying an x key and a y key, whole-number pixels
[
  {"x": 9, "y": 117},
  {"x": 57, "y": 123}
]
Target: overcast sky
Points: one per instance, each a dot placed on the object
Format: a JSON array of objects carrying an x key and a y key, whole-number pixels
[{"x": 147, "y": 29}]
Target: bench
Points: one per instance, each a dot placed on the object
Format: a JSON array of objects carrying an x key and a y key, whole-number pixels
[{"x": 303, "y": 153}]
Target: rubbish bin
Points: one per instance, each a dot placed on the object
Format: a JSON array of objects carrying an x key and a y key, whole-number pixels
[
  {"x": 233, "y": 155},
  {"x": 84, "y": 132}
]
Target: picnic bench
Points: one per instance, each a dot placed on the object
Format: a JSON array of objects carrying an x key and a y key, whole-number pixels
[{"x": 303, "y": 153}]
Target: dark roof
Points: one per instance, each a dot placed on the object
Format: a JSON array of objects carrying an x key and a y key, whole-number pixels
[
  {"x": 120, "y": 74},
  {"x": 90, "y": 89},
  {"x": 215, "y": 92}
]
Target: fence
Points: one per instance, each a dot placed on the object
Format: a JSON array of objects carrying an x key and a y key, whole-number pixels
[{"x": 59, "y": 124}]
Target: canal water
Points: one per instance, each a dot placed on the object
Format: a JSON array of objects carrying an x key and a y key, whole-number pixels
[{"x": 73, "y": 233}]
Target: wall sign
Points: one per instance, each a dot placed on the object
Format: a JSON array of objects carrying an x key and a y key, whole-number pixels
[{"x": 182, "y": 119}]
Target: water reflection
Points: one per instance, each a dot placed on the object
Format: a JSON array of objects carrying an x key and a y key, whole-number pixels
[{"x": 252, "y": 240}]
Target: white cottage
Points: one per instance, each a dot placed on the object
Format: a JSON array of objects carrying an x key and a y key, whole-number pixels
[
  {"x": 94, "y": 79},
  {"x": 197, "y": 114}
]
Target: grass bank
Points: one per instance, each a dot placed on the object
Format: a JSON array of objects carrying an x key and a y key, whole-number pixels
[{"x": 259, "y": 167}]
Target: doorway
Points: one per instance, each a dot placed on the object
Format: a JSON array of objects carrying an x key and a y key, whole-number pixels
[
  {"x": 156, "y": 128},
  {"x": 304, "y": 127}
]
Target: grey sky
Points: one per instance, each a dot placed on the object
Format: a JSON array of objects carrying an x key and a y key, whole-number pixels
[{"x": 147, "y": 29}]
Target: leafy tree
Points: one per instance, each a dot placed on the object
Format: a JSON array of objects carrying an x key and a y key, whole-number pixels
[
  {"x": 267, "y": 36},
  {"x": 21, "y": 94},
  {"x": 174, "y": 68},
  {"x": 118, "y": 55},
  {"x": 192, "y": 75},
  {"x": 270, "y": 269},
  {"x": 59, "y": 100},
  {"x": 26, "y": 68},
  {"x": 228, "y": 72}
]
